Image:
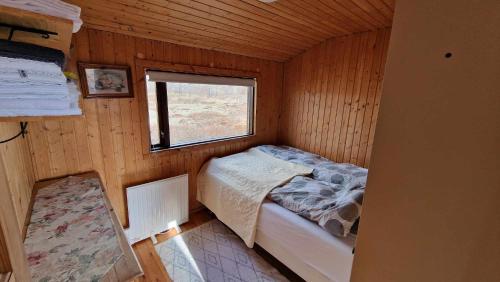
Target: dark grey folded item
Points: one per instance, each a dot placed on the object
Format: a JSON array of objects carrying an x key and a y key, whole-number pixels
[
  {"x": 332, "y": 196},
  {"x": 335, "y": 207},
  {"x": 19, "y": 50}
]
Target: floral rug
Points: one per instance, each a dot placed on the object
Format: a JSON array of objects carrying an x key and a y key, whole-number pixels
[
  {"x": 212, "y": 252},
  {"x": 71, "y": 235}
]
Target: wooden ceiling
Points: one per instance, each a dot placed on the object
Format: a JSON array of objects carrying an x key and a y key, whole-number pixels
[{"x": 275, "y": 31}]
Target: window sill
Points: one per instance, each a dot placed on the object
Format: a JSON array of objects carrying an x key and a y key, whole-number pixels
[{"x": 202, "y": 145}]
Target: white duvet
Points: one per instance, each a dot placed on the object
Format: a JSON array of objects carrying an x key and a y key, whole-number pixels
[{"x": 234, "y": 187}]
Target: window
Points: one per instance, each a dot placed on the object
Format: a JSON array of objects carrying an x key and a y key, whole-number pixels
[{"x": 187, "y": 109}]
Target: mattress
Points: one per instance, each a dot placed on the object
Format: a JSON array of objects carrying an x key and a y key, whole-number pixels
[
  {"x": 71, "y": 236},
  {"x": 303, "y": 246}
]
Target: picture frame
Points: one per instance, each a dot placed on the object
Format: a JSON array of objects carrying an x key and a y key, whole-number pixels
[{"x": 105, "y": 81}]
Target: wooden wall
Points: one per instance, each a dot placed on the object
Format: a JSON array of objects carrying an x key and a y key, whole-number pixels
[
  {"x": 108, "y": 139},
  {"x": 16, "y": 183},
  {"x": 331, "y": 97},
  {"x": 18, "y": 169}
]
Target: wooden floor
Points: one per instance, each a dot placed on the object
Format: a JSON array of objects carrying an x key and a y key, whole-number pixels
[{"x": 150, "y": 260}]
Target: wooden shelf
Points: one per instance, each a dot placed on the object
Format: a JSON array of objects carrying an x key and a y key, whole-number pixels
[
  {"x": 63, "y": 28},
  {"x": 38, "y": 118},
  {"x": 61, "y": 41}
]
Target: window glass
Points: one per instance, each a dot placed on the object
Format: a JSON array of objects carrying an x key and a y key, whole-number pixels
[
  {"x": 201, "y": 112},
  {"x": 183, "y": 113}
]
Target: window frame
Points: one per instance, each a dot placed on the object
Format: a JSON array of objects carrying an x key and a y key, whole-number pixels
[
  {"x": 164, "y": 125},
  {"x": 142, "y": 66}
]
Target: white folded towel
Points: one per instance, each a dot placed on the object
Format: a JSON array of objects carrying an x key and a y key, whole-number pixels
[
  {"x": 45, "y": 96},
  {"x": 30, "y": 104},
  {"x": 21, "y": 76},
  {"x": 39, "y": 112},
  {"x": 16, "y": 75},
  {"x": 33, "y": 88},
  {"x": 17, "y": 63},
  {"x": 30, "y": 85}
]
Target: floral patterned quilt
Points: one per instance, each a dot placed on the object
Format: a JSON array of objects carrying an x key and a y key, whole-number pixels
[{"x": 71, "y": 235}]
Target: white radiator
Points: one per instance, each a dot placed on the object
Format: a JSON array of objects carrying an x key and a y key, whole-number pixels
[{"x": 157, "y": 206}]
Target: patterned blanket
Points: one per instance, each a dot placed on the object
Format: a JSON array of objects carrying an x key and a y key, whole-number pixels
[
  {"x": 234, "y": 187},
  {"x": 332, "y": 196},
  {"x": 71, "y": 235}
]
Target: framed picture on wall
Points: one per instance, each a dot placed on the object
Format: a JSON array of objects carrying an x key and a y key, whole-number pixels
[{"x": 105, "y": 81}]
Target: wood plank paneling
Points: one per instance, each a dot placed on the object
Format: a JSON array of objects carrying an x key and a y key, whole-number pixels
[
  {"x": 61, "y": 27},
  {"x": 275, "y": 31},
  {"x": 109, "y": 138},
  {"x": 18, "y": 167},
  {"x": 331, "y": 97},
  {"x": 16, "y": 183},
  {"x": 5, "y": 266}
]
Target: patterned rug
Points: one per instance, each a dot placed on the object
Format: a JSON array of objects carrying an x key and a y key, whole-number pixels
[{"x": 212, "y": 252}]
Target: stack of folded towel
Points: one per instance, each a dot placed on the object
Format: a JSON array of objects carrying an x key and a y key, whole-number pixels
[
  {"x": 32, "y": 82},
  {"x": 34, "y": 88},
  {"x": 56, "y": 8}
]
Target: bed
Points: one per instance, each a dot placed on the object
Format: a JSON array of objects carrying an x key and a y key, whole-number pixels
[
  {"x": 305, "y": 248},
  {"x": 297, "y": 234}
]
